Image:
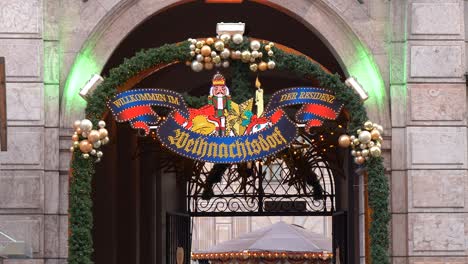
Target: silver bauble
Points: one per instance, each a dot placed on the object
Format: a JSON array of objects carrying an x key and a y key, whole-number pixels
[
  {"x": 364, "y": 137},
  {"x": 192, "y": 47},
  {"x": 260, "y": 54},
  {"x": 237, "y": 38},
  {"x": 72, "y": 149},
  {"x": 254, "y": 54},
  {"x": 255, "y": 45},
  {"x": 86, "y": 125},
  {"x": 252, "y": 59},
  {"x": 93, "y": 152},
  {"x": 270, "y": 53},
  {"x": 225, "y": 64},
  {"x": 194, "y": 41},
  {"x": 371, "y": 144},
  {"x": 358, "y": 153},
  {"x": 352, "y": 138},
  {"x": 197, "y": 66},
  {"x": 192, "y": 53},
  {"x": 380, "y": 129},
  {"x": 99, "y": 154},
  {"x": 353, "y": 153},
  {"x": 217, "y": 65},
  {"x": 85, "y": 155},
  {"x": 199, "y": 58},
  {"x": 238, "y": 53},
  {"x": 219, "y": 45},
  {"x": 362, "y": 146},
  {"x": 97, "y": 144},
  {"x": 375, "y": 151},
  {"x": 225, "y": 53},
  {"x": 365, "y": 153},
  {"x": 105, "y": 140},
  {"x": 214, "y": 54},
  {"x": 101, "y": 124},
  {"x": 225, "y": 37},
  {"x": 271, "y": 65},
  {"x": 84, "y": 134},
  {"x": 97, "y": 160}
]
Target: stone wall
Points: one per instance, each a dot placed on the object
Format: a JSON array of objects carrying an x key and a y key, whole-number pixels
[
  {"x": 30, "y": 208},
  {"x": 429, "y": 149},
  {"x": 419, "y": 47}
]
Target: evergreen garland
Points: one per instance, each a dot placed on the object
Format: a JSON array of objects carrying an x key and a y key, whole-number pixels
[{"x": 82, "y": 170}]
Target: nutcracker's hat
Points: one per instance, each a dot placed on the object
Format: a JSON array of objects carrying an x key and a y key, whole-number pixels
[{"x": 218, "y": 79}]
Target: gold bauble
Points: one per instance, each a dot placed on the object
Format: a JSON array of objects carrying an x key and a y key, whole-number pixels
[
  {"x": 262, "y": 66},
  {"x": 208, "y": 65},
  {"x": 356, "y": 142},
  {"x": 253, "y": 67},
  {"x": 375, "y": 134},
  {"x": 217, "y": 59},
  {"x": 209, "y": 41},
  {"x": 85, "y": 146},
  {"x": 197, "y": 50},
  {"x": 103, "y": 133},
  {"x": 245, "y": 55},
  {"x": 364, "y": 137},
  {"x": 76, "y": 124},
  {"x": 76, "y": 144},
  {"x": 205, "y": 50},
  {"x": 359, "y": 160},
  {"x": 219, "y": 45},
  {"x": 267, "y": 47},
  {"x": 75, "y": 137},
  {"x": 225, "y": 37},
  {"x": 368, "y": 125},
  {"x": 78, "y": 131},
  {"x": 93, "y": 136},
  {"x": 72, "y": 149},
  {"x": 375, "y": 151},
  {"x": 199, "y": 44},
  {"x": 344, "y": 141}
]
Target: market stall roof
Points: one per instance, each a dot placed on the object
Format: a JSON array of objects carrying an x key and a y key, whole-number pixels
[{"x": 279, "y": 237}]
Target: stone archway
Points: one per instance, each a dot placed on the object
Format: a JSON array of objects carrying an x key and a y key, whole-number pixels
[{"x": 345, "y": 28}]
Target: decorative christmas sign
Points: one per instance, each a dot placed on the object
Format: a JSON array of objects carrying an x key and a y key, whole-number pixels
[{"x": 224, "y": 131}]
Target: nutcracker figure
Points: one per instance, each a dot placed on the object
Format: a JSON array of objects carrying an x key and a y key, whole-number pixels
[{"x": 220, "y": 99}]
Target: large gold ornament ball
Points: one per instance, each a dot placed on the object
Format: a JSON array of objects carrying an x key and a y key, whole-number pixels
[
  {"x": 85, "y": 146},
  {"x": 375, "y": 151},
  {"x": 375, "y": 134},
  {"x": 344, "y": 141},
  {"x": 368, "y": 125},
  {"x": 262, "y": 66},
  {"x": 94, "y": 135},
  {"x": 359, "y": 160},
  {"x": 103, "y": 133},
  {"x": 209, "y": 41},
  {"x": 364, "y": 137},
  {"x": 219, "y": 45},
  {"x": 205, "y": 50}
]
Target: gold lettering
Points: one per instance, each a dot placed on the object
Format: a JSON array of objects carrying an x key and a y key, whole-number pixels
[
  {"x": 188, "y": 147},
  {"x": 231, "y": 150},
  {"x": 202, "y": 148},
  {"x": 263, "y": 143},
  {"x": 212, "y": 150},
  {"x": 240, "y": 149},
  {"x": 278, "y": 137},
  {"x": 176, "y": 137},
  {"x": 194, "y": 149},
  {"x": 255, "y": 146},
  {"x": 271, "y": 141},
  {"x": 247, "y": 143},
  {"x": 223, "y": 150}
]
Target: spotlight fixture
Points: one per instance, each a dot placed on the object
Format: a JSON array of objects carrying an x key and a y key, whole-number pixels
[
  {"x": 90, "y": 86},
  {"x": 357, "y": 87},
  {"x": 230, "y": 28}
]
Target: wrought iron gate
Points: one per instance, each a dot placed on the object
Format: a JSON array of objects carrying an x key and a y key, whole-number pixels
[{"x": 178, "y": 236}]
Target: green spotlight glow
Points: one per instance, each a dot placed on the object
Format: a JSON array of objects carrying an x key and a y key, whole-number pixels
[
  {"x": 368, "y": 75},
  {"x": 84, "y": 67}
]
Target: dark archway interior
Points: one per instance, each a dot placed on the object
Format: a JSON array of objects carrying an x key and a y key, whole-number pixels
[{"x": 131, "y": 193}]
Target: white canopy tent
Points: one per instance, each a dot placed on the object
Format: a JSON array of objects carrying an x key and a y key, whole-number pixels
[{"x": 280, "y": 241}]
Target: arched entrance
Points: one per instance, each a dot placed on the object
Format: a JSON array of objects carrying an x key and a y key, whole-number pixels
[{"x": 129, "y": 235}]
